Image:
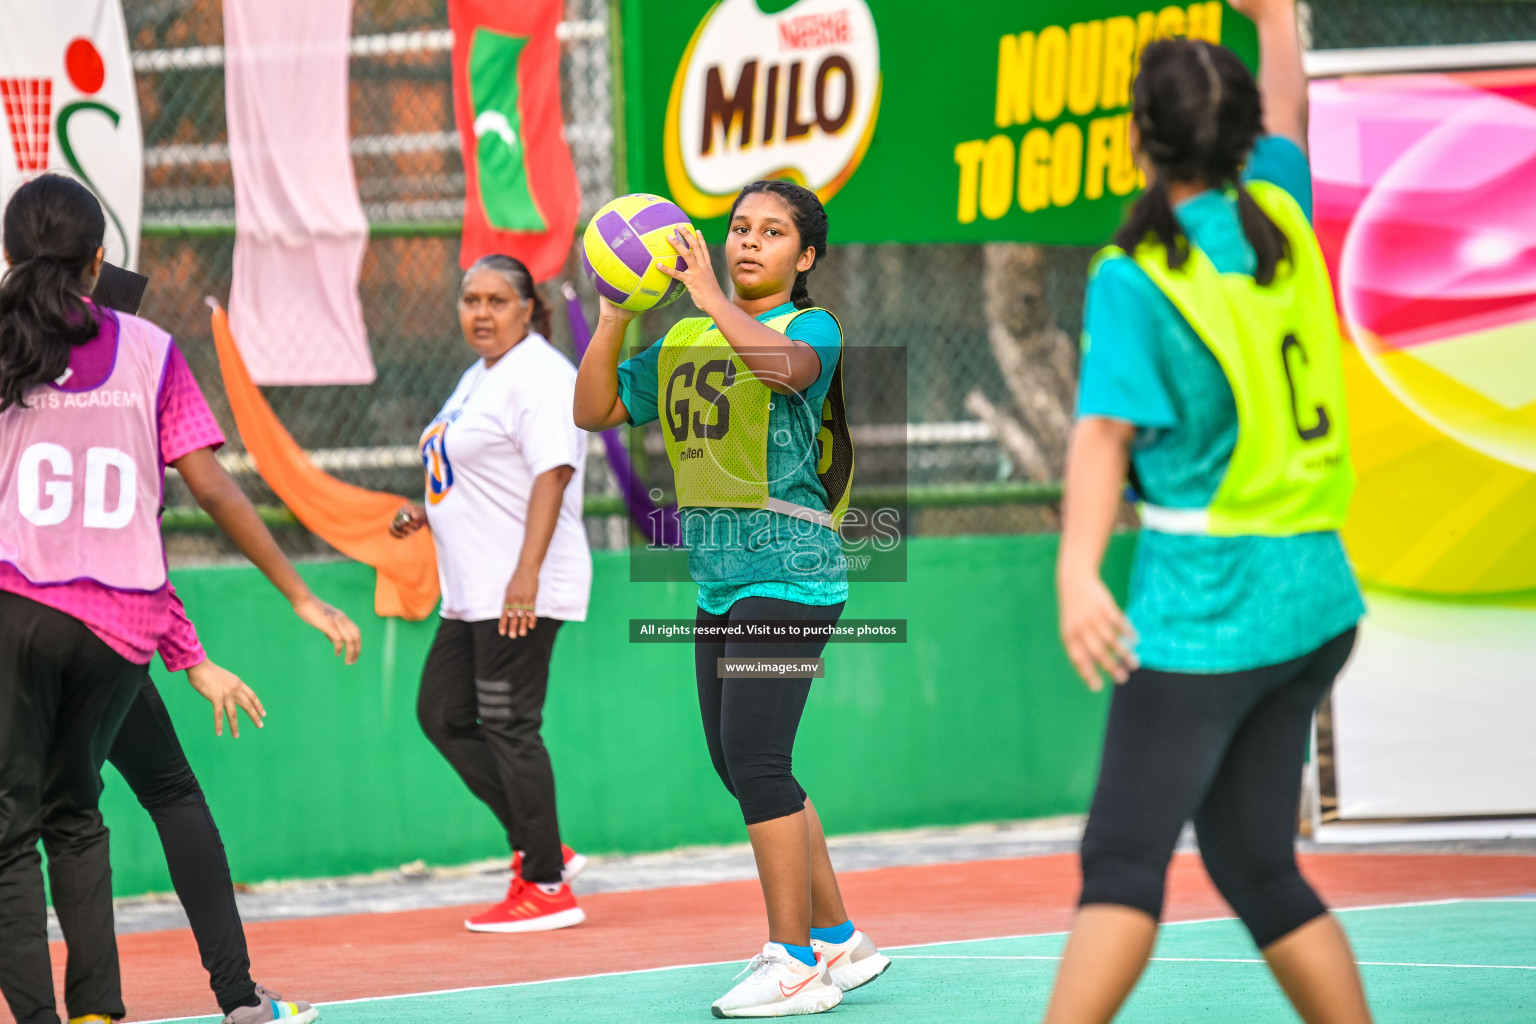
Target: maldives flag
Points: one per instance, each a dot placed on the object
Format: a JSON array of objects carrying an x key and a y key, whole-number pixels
[{"x": 521, "y": 192}]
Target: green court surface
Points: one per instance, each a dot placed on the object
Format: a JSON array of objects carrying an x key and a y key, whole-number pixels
[{"x": 1460, "y": 961}]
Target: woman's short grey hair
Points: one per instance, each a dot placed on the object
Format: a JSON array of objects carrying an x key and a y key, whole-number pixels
[{"x": 511, "y": 270}]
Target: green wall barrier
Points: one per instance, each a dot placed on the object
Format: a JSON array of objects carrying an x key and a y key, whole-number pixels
[{"x": 977, "y": 717}]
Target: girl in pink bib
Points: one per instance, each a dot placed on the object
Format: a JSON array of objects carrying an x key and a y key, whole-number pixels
[{"x": 93, "y": 406}]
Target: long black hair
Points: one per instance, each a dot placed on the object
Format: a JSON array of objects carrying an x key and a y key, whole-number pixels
[
  {"x": 53, "y": 228},
  {"x": 1198, "y": 111},
  {"x": 516, "y": 274},
  {"x": 810, "y": 220}
]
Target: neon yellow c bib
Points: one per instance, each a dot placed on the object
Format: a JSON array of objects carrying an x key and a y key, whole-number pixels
[
  {"x": 1279, "y": 346},
  {"x": 714, "y": 418}
]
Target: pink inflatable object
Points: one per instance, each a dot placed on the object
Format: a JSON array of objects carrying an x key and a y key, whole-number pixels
[{"x": 1426, "y": 207}]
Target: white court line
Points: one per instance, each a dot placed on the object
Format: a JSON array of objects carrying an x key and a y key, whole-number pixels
[
  {"x": 916, "y": 945},
  {"x": 474, "y": 988},
  {"x": 1209, "y": 920},
  {"x": 1225, "y": 960}
]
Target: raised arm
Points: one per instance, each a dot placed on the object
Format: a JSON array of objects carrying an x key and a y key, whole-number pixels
[
  {"x": 1282, "y": 81},
  {"x": 597, "y": 405},
  {"x": 785, "y": 365}
]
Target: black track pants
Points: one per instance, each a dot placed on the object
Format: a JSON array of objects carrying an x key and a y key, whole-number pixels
[
  {"x": 1226, "y": 750},
  {"x": 482, "y": 705}
]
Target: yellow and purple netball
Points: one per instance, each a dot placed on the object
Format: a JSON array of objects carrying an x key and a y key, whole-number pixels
[{"x": 625, "y": 246}]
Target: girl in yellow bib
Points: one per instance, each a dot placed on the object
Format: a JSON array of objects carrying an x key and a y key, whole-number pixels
[
  {"x": 1212, "y": 367},
  {"x": 750, "y": 399}
]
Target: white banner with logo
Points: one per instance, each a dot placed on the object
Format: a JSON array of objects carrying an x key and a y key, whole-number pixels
[
  {"x": 794, "y": 94},
  {"x": 69, "y": 105}
]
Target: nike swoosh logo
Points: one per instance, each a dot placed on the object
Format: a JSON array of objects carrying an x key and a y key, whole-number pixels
[
  {"x": 837, "y": 958},
  {"x": 787, "y": 992}
]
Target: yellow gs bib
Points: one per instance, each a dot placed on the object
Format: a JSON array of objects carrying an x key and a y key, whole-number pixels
[{"x": 714, "y": 417}]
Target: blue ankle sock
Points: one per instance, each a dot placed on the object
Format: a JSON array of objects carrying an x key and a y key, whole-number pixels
[
  {"x": 842, "y": 933},
  {"x": 801, "y": 953}
]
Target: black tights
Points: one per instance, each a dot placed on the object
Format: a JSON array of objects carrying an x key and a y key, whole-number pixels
[
  {"x": 63, "y": 694},
  {"x": 750, "y": 724},
  {"x": 149, "y": 757},
  {"x": 1226, "y": 749}
]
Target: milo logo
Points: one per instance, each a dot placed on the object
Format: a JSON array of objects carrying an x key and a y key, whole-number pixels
[{"x": 794, "y": 94}]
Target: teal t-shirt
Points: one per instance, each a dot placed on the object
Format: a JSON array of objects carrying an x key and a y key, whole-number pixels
[
  {"x": 740, "y": 552},
  {"x": 1204, "y": 604}
]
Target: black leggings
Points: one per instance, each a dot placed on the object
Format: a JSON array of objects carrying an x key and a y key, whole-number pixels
[
  {"x": 482, "y": 705},
  {"x": 150, "y": 759},
  {"x": 750, "y": 724},
  {"x": 63, "y": 694},
  {"x": 1226, "y": 749}
]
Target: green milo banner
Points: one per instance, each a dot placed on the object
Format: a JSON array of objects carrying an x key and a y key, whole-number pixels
[{"x": 915, "y": 121}]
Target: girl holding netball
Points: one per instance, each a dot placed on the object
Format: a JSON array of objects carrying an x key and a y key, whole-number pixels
[
  {"x": 1212, "y": 366},
  {"x": 93, "y": 405},
  {"x": 743, "y": 393}
]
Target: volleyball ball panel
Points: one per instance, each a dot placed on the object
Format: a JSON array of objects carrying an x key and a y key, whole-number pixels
[{"x": 626, "y": 244}]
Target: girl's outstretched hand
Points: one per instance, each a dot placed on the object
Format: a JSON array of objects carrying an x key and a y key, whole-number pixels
[
  {"x": 225, "y": 692},
  {"x": 698, "y": 274},
  {"x": 340, "y": 630}
]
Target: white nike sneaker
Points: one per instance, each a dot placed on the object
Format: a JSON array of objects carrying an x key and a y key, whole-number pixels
[
  {"x": 778, "y": 985},
  {"x": 852, "y": 963}
]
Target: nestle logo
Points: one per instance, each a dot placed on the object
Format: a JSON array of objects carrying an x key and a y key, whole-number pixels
[{"x": 811, "y": 30}]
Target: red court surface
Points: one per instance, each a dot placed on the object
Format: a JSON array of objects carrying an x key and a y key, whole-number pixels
[{"x": 331, "y": 958}]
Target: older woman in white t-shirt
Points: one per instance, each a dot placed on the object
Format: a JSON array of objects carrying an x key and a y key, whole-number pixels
[{"x": 503, "y": 466}]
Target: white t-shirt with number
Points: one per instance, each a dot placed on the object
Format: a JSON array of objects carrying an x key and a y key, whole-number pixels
[{"x": 500, "y": 429}]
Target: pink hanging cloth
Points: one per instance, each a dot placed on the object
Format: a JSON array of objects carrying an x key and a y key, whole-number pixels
[{"x": 300, "y": 233}]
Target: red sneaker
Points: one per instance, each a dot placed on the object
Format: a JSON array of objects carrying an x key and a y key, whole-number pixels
[
  {"x": 573, "y": 864},
  {"x": 528, "y": 908}
]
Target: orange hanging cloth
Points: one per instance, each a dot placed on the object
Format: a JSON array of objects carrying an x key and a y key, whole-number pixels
[{"x": 352, "y": 520}]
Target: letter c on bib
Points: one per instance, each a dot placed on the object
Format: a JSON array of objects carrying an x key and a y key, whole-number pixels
[
  {"x": 97, "y": 462},
  {"x": 30, "y": 488}
]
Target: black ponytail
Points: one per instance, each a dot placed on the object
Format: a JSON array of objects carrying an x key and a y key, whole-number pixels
[
  {"x": 1198, "y": 113},
  {"x": 810, "y": 220},
  {"x": 53, "y": 229},
  {"x": 1153, "y": 215},
  {"x": 518, "y": 276}
]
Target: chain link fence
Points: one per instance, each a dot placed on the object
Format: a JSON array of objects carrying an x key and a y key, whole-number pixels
[
  {"x": 1347, "y": 24},
  {"x": 989, "y": 331}
]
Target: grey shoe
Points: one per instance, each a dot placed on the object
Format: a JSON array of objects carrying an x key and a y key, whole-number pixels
[
  {"x": 273, "y": 1007},
  {"x": 852, "y": 964}
]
